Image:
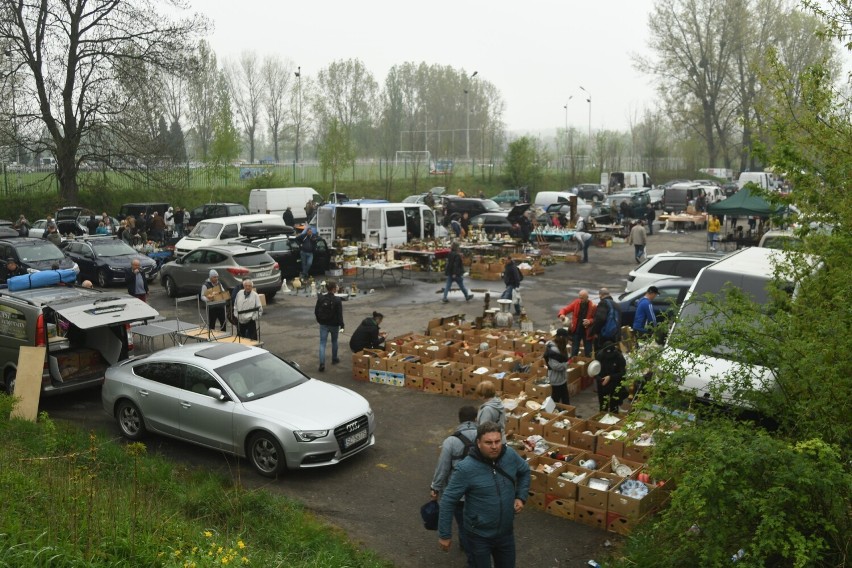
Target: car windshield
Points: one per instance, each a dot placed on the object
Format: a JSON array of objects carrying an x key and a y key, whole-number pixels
[
  {"x": 491, "y": 205},
  {"x": 40, "y": 251},
  {"x": 253, "y": 259},
  {"x": 260, "y": 376},
  {"x": 113, "y": 248},
  {"x": 205, "y": 230}
]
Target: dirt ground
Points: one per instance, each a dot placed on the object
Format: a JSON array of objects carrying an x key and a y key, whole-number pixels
[{"x": 375, "y": 497}]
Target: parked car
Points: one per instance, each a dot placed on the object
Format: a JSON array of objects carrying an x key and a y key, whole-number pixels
[
  {"x": 667, "y": 265},
  {"x": 38, "y": 228},
  {"x": 601, "y": 214},
  {"x": 214, "y": 210},
  {"x": 638, "y": 201},
  {"x": 233, "y": 261},
  {"x": 511, "y": 197},
  {"x": 241, "y": 400},
  {"x": 104, "y": 259},
  {"x": 285, "y": 251},
  {"x": 84, "y": 331},
  {"x": 589, "y": 191},
  {"x": 454, "y": 207},
  {"x": 501, "y": 222},
  {"x": 781, "y": 239},
  {"x": 672, "y": 293},
  {"x": 730, "y": 188},
  {"x": 69, "y": 222},
  {"x": 37, "y": 254}
]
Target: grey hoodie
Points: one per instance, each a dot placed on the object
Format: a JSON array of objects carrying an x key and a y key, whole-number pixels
[{"x": 493, "y": 411}]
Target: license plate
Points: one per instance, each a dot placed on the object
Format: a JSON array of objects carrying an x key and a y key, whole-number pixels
[
  {"x": 354, "y": 438},
  {"x": 263, "y": 274}
]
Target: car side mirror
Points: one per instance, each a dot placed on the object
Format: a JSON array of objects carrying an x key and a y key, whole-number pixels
[
  {"x": 217, "y": 394},
  {"x": 294, "y": 364},
  {"x": 179, "y": 260}
]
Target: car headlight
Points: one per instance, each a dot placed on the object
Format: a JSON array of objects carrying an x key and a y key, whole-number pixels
[{"x": 309, "y": 435}]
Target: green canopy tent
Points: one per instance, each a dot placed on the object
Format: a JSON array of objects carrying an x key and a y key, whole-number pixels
[{"x": 743, "y": 204}]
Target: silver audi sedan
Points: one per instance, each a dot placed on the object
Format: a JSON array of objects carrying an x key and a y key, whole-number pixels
[{"x": 242, "y": 400}]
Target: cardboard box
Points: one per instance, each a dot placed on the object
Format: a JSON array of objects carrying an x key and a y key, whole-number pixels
[
  {"x": 536, "y": 500},
  {"x": 636, "y": 453},
  {"x": 611, "y": 446},
  {"x": 453, "y": 372},
  {"x": 453, "y": 389},
  {"x": 541, "y": 467},
  {"x": 537, "y": 391},
  {"x": 413, "y": 366},
  {"x": 396, "y": 364},
  {"x": 434, "y": 386},
  {"x": 581, "y": 437},
  {"x": 619, "y": 524},
  {"x": 360, "y": 374},
  {"x": 593, "y": 497},
  {"x": 561, "y": 507},
  {"x": 513, "y": 386},
  {"x": 631, "y": 508},
  {"x": 590, "y": 516},
  {"x": 414, "y": 382},
  {"x": 558, "y": 430},
  {"x": 435, "y": 369},
  {"x": 562, "y": 487},
  {"x": 566, "y": 409},
  {"x": 532, "y": 424}
]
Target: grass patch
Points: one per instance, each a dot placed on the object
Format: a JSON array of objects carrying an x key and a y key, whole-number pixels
[{"x": 75, "y": 499}]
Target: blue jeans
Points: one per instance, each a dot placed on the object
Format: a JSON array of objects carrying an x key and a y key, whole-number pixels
[
  {"x": 639, "y": 251},
  {"x": 586, "y": 244},
  {"x": 501, "y": 549},
  {"x": 307, "y": 261},
  {"x": 324, "y": 331},
  {"x": 507, "y": 295},
  {"x": 458, "y": 280}
]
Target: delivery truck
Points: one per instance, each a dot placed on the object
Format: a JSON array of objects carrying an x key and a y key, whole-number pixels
[{"x": 382, "y": 225}]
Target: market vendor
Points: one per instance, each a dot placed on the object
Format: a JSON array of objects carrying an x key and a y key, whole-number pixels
[{"x": 212, "y": 292}]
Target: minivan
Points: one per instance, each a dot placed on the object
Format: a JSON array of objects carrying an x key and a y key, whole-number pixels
[
  {"x": 679, "y": 196},
  {"x": 83, "y": 330},
  {"x": 752, "y": 271},
  {"x": 276, "y": 200},
  {"x": 221, "y": 230},
  {"x": 545, "y": 198}
]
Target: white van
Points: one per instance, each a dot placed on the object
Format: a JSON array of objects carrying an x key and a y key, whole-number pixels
[
  {"x": 383, "y": 225},
  {"x": 275, "y": 200},
  {"x": 222, "y": 230},
  {"x": 544, "y": 199},
  {"x": 752, "y": 271},
  {"x": 762, "y": 179}
]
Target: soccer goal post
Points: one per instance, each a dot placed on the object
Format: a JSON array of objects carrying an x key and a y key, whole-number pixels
[{"x": 412, "y": 157}]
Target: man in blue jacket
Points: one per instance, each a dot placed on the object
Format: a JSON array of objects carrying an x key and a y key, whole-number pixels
[
  {"x": 495, "y": 482},
  {"x": 645, "y": 319}
]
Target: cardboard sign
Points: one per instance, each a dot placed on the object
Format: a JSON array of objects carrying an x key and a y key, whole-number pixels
[{"x": 28, "y": 382}]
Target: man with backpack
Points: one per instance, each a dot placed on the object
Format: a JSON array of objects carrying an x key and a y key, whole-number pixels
[
  {"x": 455, "y": 448},
  {"x": 329, "y": 314},
  {"x": 606, "y": 327}
]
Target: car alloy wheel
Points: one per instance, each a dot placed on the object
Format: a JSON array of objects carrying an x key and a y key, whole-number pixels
[
  {"x": 103, "y": 278},
  {"x": 9, "y": 381},
  {"x": 171, "y": 287},
  {"x": 266, "y": 454},
  {"x": 130, "y": 420}
]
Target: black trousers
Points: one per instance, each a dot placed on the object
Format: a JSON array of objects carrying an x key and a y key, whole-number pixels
[
  {"x": 248, "y": 330},
  {"x": 216, "y": 314}
]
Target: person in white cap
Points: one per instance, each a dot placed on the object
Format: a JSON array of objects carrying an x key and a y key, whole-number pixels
[{"x": 210, "y": 292}]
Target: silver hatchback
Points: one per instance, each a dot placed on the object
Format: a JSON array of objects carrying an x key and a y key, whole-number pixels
[
  {"x": 233, "y": 262},
  {"x": 240, "y": 400}
]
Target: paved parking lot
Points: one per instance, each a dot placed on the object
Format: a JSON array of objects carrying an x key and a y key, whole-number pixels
[{"x": 375, "y": 497}]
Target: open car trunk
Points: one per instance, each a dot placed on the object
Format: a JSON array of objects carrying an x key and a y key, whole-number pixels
[{"x": 84, "y": 339}]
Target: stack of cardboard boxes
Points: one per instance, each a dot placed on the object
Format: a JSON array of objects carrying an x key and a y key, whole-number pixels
[{"x": 450, "y": 361}]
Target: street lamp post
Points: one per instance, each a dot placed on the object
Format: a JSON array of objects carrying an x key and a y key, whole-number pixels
[
  {"x": 467, "y": 112},
  {"x": 589, "y": 100},
  {"x": 298, "y": 109}
]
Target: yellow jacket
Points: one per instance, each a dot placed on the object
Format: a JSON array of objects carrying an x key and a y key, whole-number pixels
[{"x": 713, "y": 225}]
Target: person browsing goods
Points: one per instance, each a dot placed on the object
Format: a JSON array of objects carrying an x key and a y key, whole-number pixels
[
  {"x": 137, "y": 284},
  {"x": 329, "y": 315},
  {"x": 247, "y": 310}
]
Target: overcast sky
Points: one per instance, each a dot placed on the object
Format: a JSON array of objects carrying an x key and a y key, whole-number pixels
[{"x": 537, "y": 53}]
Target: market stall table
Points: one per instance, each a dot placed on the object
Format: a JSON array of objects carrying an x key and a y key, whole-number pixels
[
  {"x": 678, "y": 222},
  {"x": 382, "y": 269}
]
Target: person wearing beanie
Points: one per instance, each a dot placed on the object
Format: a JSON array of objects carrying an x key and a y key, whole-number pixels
[
  {"x": 211, "y": 293},
  {"x": 556, "y": 358}
]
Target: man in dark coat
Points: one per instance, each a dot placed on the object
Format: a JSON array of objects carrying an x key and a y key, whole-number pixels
[
  {"x": 455, "y": 273},
  {"x": 329, "y": 314},
  {"x": 611, "y": 391},
  {"x": 137, "y": 284},
  {"x": 289, "y": 220},
  {"x": 368, "y": 335},
  {"x": 605, "y": 304}
]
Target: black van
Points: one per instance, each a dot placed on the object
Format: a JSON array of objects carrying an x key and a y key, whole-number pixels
[{"x": 680, "y": 196}]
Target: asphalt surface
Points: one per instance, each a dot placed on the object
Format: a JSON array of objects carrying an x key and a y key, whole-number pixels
[{"x": 375, "y": 496}]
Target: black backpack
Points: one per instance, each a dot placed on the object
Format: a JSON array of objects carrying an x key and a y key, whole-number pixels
[
  {"x": 325, "y": 311},
  {"x": 468, "y": 444}
]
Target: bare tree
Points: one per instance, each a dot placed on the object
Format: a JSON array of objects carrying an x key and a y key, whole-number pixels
[
  {"x": 347, "y": 91},
  {"x": 276, "y": 83},
  {"x": 246, "y": 85},
  {"x": 203, "y": 96},
  {"x": 65, "y": 55}
]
